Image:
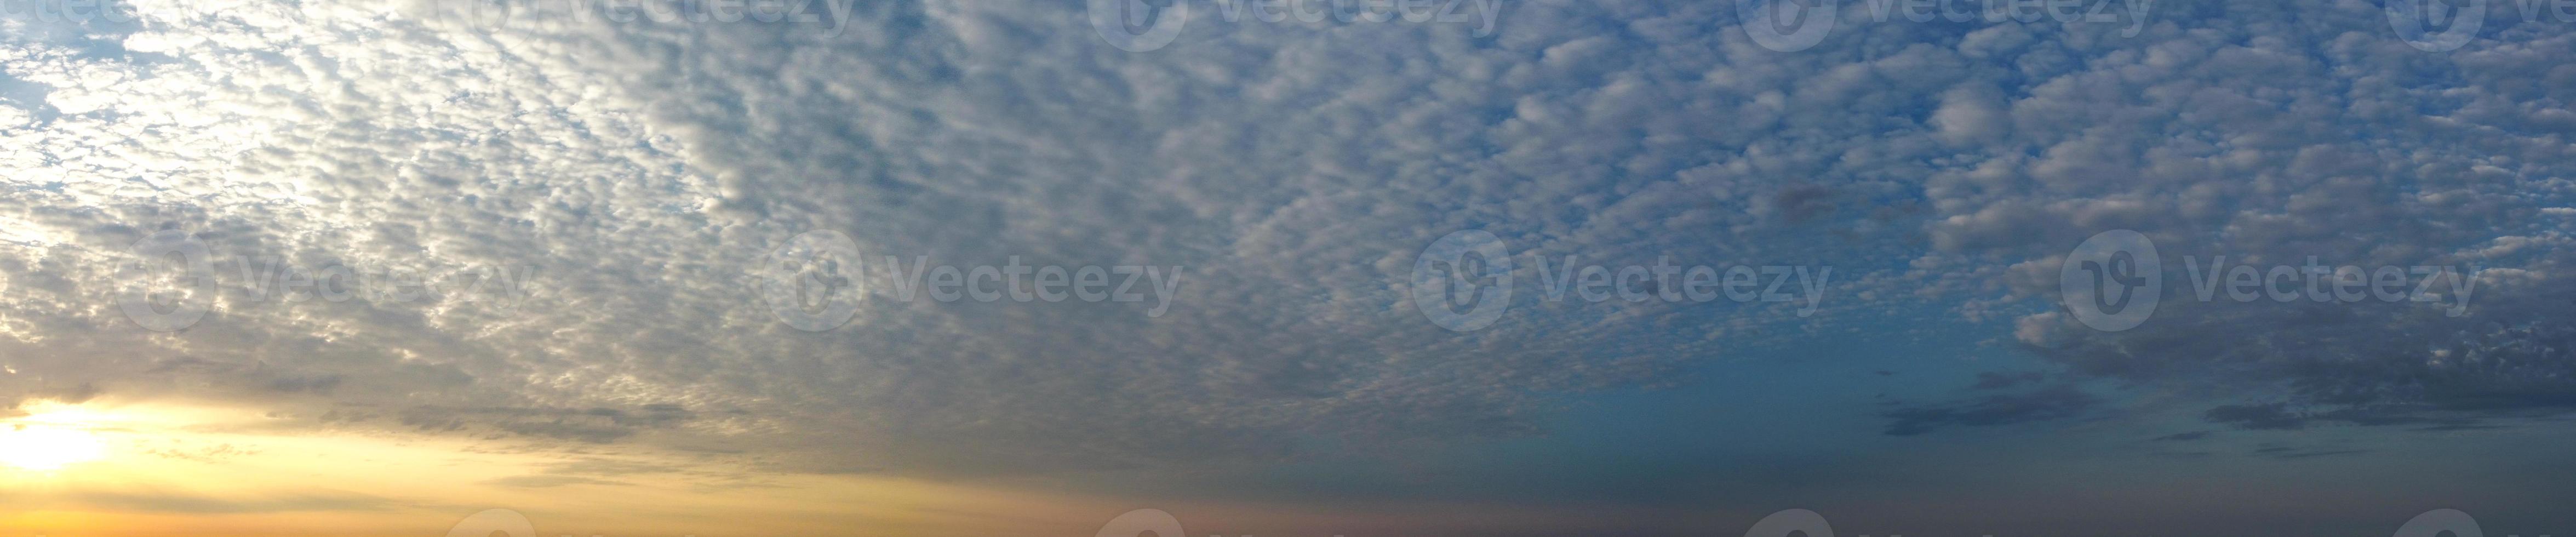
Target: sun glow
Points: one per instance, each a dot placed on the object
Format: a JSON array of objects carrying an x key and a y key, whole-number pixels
[
  {"x": 46, "y": 448},
  {"x": 53, "y": 437}
]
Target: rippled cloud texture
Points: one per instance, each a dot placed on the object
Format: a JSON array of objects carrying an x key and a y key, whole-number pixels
[{"x": 629, "y": 179}]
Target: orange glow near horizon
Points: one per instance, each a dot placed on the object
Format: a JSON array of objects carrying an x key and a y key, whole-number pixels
[
  {"x": 189, "y": 469},
  {"x": 107, "y": 468}
]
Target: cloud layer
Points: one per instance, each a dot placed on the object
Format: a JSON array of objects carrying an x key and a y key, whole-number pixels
[{"x": 631, "y": 177}]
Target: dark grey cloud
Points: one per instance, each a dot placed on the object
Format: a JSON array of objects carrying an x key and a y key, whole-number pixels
[
  {"x": 2050, "y": 403},
  {"x": 593, "y": 425},
  {"x": 2280, "y": 452},
  {"x": 2284, "y": 416}
]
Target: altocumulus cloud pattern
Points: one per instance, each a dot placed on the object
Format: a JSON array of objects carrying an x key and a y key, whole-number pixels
[{"x": 886, "y": 267}]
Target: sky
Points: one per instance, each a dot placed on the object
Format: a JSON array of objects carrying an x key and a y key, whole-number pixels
[{"x": 1330, "y": 268}]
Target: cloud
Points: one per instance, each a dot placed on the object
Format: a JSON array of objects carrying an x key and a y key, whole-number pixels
[
  {"x": 2267, "y": 416},
  {"x": 637, "y": 212},
  {"x": 2294, "y": 453},
  {"x": 2049, "y": 403},
  {"x": 2281, "y": 416},
  {"x": 547, "y": 481},
  {"x": 579, "y": 206},
  {"x": 160, "y": 502},
  {"x": 593, "y": 425}
]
